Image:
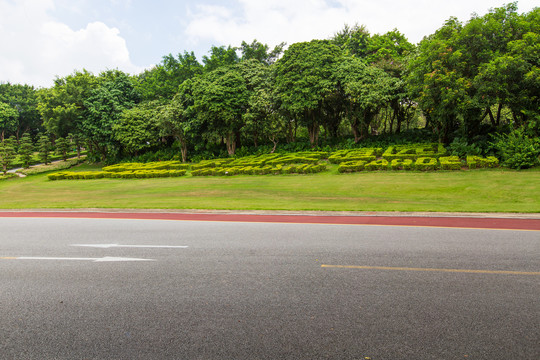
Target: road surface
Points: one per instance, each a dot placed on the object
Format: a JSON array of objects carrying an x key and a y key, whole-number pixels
[{"x": 77, "y": 288}]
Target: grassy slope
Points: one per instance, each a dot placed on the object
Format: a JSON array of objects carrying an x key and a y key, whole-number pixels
[{"x": 468, "y": 191}]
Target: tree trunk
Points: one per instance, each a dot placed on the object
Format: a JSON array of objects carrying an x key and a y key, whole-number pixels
[
  {"x": 498, "y": 121},
  {"x": 231, "y": 143}
]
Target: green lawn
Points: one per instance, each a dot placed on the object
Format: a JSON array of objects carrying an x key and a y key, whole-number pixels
[{"x": 493, "y": 190}]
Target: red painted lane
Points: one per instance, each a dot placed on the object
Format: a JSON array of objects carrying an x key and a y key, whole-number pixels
[{"x": 451, "y": 222}]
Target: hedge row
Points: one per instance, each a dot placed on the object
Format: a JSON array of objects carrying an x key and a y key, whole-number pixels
[
  {"x": 414, "y": 152},
  {"x": 260, "y": 161},
  {"x": 422, "y": 164},
  {"x": 367, "y": 154},
  {"x": 157, "y": 165},
  {"x": 476, "y": 162},
  {"x": 137, "y": 174},
  {"x": 263, "y": 170}
]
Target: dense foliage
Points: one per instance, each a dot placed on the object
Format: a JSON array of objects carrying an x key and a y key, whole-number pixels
[{"x": 474, "y": 86}]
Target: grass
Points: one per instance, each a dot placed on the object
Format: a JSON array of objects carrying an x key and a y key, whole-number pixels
[{"x": 489, "y": 190}]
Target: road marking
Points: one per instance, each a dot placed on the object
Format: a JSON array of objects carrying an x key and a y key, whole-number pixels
[
  {"x": 468, "y": 271},
  {"x": 107, "y": 246},
  {"x": 102, "y": 259}
]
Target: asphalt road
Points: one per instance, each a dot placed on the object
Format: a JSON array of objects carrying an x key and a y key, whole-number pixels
[{"x": 265, "y": 291}]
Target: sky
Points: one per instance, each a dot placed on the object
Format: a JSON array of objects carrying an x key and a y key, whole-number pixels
[{"x": 44, "y": 39}]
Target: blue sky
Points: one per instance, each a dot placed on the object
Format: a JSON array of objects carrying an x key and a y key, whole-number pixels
[{"x": 42, "y": 39}]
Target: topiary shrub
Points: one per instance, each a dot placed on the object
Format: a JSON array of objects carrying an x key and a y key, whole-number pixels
[
  {"x": 450, "y": 163},
  {"x": 401, "y": 164},
  {"x": 478, "y": 162},
  {"x": 425, "y": 163},
  {"x": 381, "y": 164}
]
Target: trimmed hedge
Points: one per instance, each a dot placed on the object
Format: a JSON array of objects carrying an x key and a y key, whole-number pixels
[
  {"x": 157, "y": 165},
  {"x": 477, "y": 162},
  {"x": 450, "y": 163},
  {"x": 137, "y": 174},
  {"x": 367, "y": 154},
  {"x": 352, "y": 166},
  {"x": 380, "y": 164},
  {"x": 260, "y": 170},
  {"x": 426, "y": 163},
  {"x": 414, "y": 152},
  {"x": 401, "y": 164}
]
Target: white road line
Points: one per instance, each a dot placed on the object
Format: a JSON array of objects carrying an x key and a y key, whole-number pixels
[
  {"x": 107, "y": 246},
  {"x": 103, "y": 259}
]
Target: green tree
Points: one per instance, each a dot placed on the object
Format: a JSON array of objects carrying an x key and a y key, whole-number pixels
[
  {"x": 304, "y": 82},
  {"x": 221, "y": 98},
  {"x": 22, "y": 98},
  {"x": 366, "y": 90},
  {"x": 7, "y": 155},
  {"x": 44, "y": 148},
  {"x": 26, "y": 149},
  {"x": 137, "y": 128},
  {"x": 75, "y": 140},
  {"x": 104, "y": 107},
  {"x": 258, "y": 51},
  {"x": 62, "y": 147},
  {"x": 178, "y": 118},
  {"x": 62, "y": 107},
  {"x": 8, "y": 119},
  {"x": 162, "y": 81},
  {"x": 220, "y": 56}
]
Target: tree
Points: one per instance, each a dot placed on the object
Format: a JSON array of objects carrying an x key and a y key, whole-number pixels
[
  {"x": 22, "y": 98},
  {"x": 220, "y": 57},
  {"x": 137, "y": 128},
  {"x": 353, "y": 40},
  {"x": 7, "y": 154},
  {"x": 221, "y": 98},
  {"x": 162, "y": 81},
  {"x": 62, "y": 147},
  {"x": 179, "y": 119},
  {"x": 304, "y": 82},
  {"x": 62, "y": 107},
  {"x": 366, "y": 90},
  {"x": 44, "y": 148},
  {"x": 104, "y": 106},
  {"x": 25, "y": 150},
  {"x": 8, "y": 119},
  {"x": 259, "y": 51}
]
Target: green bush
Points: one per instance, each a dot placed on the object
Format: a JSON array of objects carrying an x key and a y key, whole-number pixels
[
  {"x": 401, "y": 164},
  {"x": 367, "y": 154},
  {"x": 477, "y": 162},
  {"x": 517, "y": 150},
  {"x": 450, "y": 163},
  {"x": 158, "y": 165},
  {"x": 414, "y": 152},
  {"x": 380, "y": 164},
  {"x": 425, "y": 164},
  {"x": 352, "y": 166}
]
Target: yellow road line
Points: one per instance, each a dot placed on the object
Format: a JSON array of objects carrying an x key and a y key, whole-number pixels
[
  {"x": 8, "y": 258},
  {"x": 468, "y": 271}
]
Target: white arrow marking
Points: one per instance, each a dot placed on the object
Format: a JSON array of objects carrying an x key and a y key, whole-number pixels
[
  {"x": 106, "y": 246},
  {"x": 103, "y": 259}
]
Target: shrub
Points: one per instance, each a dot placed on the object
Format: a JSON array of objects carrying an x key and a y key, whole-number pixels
[
  {"x": 425, "y": 163},
  {"x": 401, "y": 164},
  {"x": 367, "y": 154},
  {"x": 351, "y": 166},
  {"x": 414, "y": 151},
  {"x": 517, "y": 150},
  {"x": 450, "y": 163},
  {"x": 380, "y": 164},
  {"x": 477, "y": 162}
]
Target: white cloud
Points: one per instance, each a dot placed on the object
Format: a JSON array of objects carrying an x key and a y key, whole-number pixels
[
  {"x": 274, "y": 21},
  {"x": 36, "y": 48}
]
